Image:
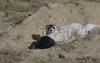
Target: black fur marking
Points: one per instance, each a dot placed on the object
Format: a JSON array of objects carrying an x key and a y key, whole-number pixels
[
  {"x": 44, "y": 42},
  {"x": 49, "y": 28},
  {"x": 32, "y": 45}
]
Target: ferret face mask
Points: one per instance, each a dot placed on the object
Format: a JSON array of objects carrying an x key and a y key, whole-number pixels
[{"x": 50, "y": 28}]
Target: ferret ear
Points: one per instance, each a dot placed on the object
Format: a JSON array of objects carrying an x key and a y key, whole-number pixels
[
  {"x": 54, "y": 27},
  {"x": 46, "y": 26}
]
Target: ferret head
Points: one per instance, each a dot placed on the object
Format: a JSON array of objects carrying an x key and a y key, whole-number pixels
[{"x": 50, "y": 29}]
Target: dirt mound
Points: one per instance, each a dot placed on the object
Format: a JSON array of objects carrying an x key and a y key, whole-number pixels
[
  {"x": 15, "y": 40},
  {"x": 58, "y": 14}
]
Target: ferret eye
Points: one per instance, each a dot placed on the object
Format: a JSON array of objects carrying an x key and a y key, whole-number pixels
[{"x": 50, "y": 29}]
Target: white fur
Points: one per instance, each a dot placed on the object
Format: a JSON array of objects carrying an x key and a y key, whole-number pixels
[{"x": 69, "y": 33}]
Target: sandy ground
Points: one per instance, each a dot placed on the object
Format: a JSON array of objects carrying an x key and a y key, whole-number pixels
[{"x": 19, "y": 19}]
